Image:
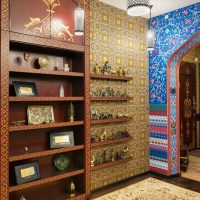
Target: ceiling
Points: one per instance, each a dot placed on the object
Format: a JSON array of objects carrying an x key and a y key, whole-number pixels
[{"x": 159, "y": 6}]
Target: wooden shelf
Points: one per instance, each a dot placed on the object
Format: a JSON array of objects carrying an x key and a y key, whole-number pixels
[
  {"x": 102, "y": 143},
  {"x": 44, "y": 72},
  {"x": 111, "y": 120},
  {"x": 110, "y": 98},
  {"x": 46, "y": 180},
  {"x": 110, "y": 77},
  {"x": 44, "y": 153},
  {"x": 44, "y": 126},
  {"x": 35, "y": 99},
  {"x": 111, "y": 164}
]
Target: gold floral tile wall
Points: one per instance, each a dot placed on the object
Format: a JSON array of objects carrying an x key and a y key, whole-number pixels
[{"x": 121, "y": 40}]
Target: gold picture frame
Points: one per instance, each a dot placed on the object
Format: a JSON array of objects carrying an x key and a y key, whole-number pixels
[{"x": 40, "y": 114}]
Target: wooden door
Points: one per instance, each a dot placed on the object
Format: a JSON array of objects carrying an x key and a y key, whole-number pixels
[{"x": 188, "y": 105}]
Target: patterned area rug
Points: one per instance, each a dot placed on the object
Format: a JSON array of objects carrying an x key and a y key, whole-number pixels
[
  {"x": 151, "y": 189},
  {"x": 193, "y": 170}
]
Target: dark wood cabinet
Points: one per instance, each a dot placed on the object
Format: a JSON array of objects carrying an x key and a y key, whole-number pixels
[{"x": 39, "y": 42}]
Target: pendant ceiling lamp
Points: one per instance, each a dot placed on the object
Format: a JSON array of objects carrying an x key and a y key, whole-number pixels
[
  {"x": 79, "y": 20},
  {"x": 137, "y": 7},
  {"x": 150, "y": 35}
]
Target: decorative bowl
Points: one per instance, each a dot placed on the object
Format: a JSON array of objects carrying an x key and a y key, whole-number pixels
[{"x": 61, "y": 162}]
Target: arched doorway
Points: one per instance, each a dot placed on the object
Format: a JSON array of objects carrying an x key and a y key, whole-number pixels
[{"x": 173, "y": 131}]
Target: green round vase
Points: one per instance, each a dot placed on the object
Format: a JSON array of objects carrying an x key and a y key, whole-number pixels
[{"x": 61, "y": 162}]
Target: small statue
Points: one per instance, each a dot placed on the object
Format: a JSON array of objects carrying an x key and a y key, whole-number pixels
[
  {"x": 106, "y": 68},
  {"x": 97, "y": 69},
  {"x": 117, "y": 94},
  {"x": 110, "y": 92},
  {"x": 71, "y": 112},
  {"x": 62, "y": 92},
  {"x": 103, "y": 135},
  {"x": 94, "y": 138},
  {"x": 26, "y": 57},
  {"x": 72, "y": 189},
  {"x": 113, "y": 71},
  {"x": 125, "y": 152},
  {"x": 102, "y": 93},
  {"x": 26, "y": 149},
  {"x": 112, "y": 155},
  {"x": 117, "y": 155},
  {"x": 106, "y": 157},
  {"x": 22, "y": 198},
  {"x": 94, "y": 115},
  {"x": 93, "y": 161},
  {"x": 66, "y": 68}
]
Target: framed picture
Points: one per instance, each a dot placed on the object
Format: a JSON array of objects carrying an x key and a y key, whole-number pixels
[
  {"x": 61, "y": 139},
  {"x": 27, "y": 173},
  {"x": 40, "y": 115},
  {"x": 22, "y": 89}
]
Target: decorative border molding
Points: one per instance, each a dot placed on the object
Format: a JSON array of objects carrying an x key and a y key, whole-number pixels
[
  {"x": 4, "y": 115},
  {"x": 173, "y": 130}
]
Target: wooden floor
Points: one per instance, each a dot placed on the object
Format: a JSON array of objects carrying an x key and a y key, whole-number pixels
[{"x": 178, "y": 181}]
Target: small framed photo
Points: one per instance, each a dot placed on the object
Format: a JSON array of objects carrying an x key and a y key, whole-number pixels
[
  {"x": 27, "y": 173},
  {"x": 25, "y": 89},
  {"x": 40, "y": 115},
  {"x": 61, "y": 139}
]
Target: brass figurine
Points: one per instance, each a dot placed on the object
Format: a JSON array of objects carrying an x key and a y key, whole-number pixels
[
  {"x": 72, "y": 189},
  {"x": 97, "y": 69},
  {"x": 22, "y": 198},
  {"x": 103, "y": 135},
  {"x": 112, "y": 155},
  {"x": 92, "y": 161},
  {"x": 71, "y": 112},
  {"x": 26, "y": 57}
]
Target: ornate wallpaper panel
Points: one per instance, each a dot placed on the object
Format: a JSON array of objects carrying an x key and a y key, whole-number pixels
[
  {"x": 172, "y": 31},
  {"x": 120, "y": 39}
]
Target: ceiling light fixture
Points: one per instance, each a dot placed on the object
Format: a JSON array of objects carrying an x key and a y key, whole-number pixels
[
  {"x": 137, "y": 7},
  {"x": 79, "y": 20},
  {"x": 150, "y": 35}
]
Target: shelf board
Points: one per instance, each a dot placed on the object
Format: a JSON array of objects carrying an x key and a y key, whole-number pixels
[
  {"x": 44, "y": 126},
  {"x": 111, "y": 164},
  {"x": 110, "y": 98},
  {"x": 44, "y": 153},
  {"x": 102, "y": 143},
  {"x": 111, "y": 120},
  {"x": 27, "y": 70},
  {"x": 110, "y": 77},
  {"x": 35, "y": 99},
  {"x": 46, "y": 180}
]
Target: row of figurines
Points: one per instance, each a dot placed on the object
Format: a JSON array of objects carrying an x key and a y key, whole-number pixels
[
  {"x": 107, "y": 69},
  {"x": 109, "y": 156},
  {"x": 104, "y": 136},
  {"x": 71, "y": 189},
  {"x": 106, "y": 115},
  {"x": 108, "y": 92}
]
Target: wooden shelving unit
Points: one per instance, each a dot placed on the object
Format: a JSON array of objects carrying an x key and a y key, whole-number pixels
[
  {"x": 110, "y": 77},
  {"x": 111, "y": 164},
  {"x": 21, "y": 51},
  {"x": 45, "y": 126},
  {"x": 111, "y": 98},
  {"x": 111, "y": 120},
  {"x": 107, "y": 142}
]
